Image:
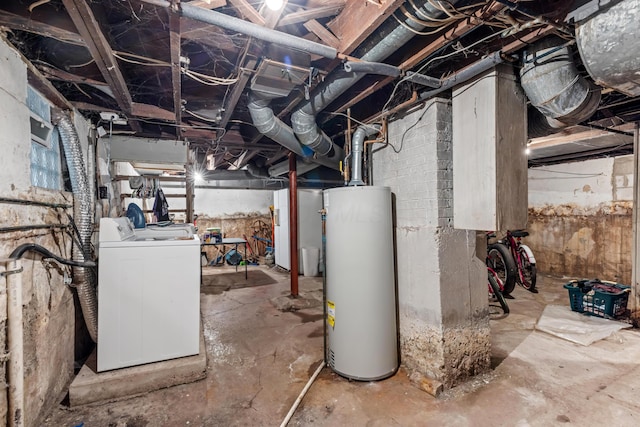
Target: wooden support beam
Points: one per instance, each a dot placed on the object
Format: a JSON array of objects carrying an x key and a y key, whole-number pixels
[
  {"x": 247, "y": 11},
  {"x": 151, "y": 112},
  {"x": 306, "y": 15},
  {"x": 57, "y": 74},
  {"x": 358, "y": 20},
  {"x": 17, "y": 22},
  {"x": 88, "y": 27},
  {"x": 323, "y": 34},
  {"x": 206, "y": 35},
  {"x": 176, "y": 74},
  {"x": 245, "y": 74}
]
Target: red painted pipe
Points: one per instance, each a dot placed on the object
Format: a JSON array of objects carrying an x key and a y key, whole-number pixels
[{"x": 293, "y": 222}]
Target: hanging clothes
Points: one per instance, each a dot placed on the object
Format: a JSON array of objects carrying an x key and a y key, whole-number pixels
[{"x": 160, "y": 206}]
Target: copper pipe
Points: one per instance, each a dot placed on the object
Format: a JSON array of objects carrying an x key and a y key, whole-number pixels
[{"x": 293, "y": 223}]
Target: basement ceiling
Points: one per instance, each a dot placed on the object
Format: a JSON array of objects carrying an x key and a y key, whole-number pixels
[{"x": 172, "y": 77}]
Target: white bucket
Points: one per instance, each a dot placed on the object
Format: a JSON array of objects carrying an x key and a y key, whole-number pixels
[{"x": 310, "y": 258}]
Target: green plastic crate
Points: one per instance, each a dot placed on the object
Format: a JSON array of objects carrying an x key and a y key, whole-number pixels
[{"x": 595, "y": 302}]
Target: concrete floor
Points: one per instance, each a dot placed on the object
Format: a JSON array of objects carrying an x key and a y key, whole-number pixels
[{"x": 259, "y": 359}]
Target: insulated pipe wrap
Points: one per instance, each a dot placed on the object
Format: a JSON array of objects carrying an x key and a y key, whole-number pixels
[
  {"x": 257, "y": 31},
  {"x": 84, "y": 278}
]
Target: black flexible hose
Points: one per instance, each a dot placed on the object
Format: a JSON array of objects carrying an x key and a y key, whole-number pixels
[{"x": 32, "y": 247}]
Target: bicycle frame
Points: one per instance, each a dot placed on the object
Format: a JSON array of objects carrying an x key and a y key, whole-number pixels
[{"x": 514, "y": 243}]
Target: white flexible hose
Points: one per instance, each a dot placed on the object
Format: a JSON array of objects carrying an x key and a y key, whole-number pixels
[{"x": 301, "y": 396}]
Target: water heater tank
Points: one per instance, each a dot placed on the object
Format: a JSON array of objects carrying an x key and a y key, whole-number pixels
[{"x": 360, "y": 283}]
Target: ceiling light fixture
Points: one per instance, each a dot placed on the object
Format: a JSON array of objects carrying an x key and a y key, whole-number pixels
[{"x": 274, "y": 4}]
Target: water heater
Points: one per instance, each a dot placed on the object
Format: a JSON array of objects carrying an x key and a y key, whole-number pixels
[{"x": 360, "y": 283}]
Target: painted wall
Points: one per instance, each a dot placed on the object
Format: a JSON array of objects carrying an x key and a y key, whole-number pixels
[
  {"x": 442, "y": 295},
  {"x": 48, "y": 305},
  {"x": 580, "y": 218}
]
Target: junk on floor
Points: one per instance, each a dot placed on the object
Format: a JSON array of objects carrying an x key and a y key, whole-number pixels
[
  {"x": 585, "y": 330},
  {"x": 598, "y": 297}
]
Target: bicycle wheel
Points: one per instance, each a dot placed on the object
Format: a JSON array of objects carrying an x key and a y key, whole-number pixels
[
  {"x": 494, "y": 288},
  {"x": 501, "y": 261},
  {"x": 528, "y": 272}
]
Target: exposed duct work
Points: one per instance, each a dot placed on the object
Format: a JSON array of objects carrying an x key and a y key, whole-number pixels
[
  {"x": 283, "y": 167},
  {"x": 84, "y": 278},
  {"x": 554, "y": 86},
  {"x": 609, "y": 43},
  {"x": 391, "y": 35},
  {"x": 272, "y": 127},
  {"x": 357, "y": 145}
]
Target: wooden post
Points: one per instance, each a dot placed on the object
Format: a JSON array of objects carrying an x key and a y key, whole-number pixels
[{"x": 293, "y": 222}]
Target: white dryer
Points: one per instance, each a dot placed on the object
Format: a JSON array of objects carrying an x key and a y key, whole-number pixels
[{"x": 148, "y": 294}]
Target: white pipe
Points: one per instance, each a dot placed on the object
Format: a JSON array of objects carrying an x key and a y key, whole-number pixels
[
  {"x": 301, "y": 396},
  {"x": 16, "y": 413}
]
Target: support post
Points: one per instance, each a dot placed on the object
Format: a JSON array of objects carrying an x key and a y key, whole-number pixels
[
  {"x": 293, "y": 222},
  {"x": 635, "y": 261},
  {"x": 190, "y": 185}
]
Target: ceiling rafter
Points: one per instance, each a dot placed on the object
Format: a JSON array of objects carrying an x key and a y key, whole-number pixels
[
  {"x": 17, "y": 22},
  {"x": 307, "y": 15},
  {"x": 249, "y": 12},
  {"x": 368, "y": 18},
  {"x": 322, "y": 32}
]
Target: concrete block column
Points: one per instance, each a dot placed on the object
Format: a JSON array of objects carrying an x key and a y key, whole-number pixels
[{"x": 442, "y": 291}]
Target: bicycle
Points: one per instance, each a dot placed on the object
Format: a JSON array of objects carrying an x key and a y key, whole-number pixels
[
  {"x": 496, "y": 289},
  {"x": 524, "y": 260},
  {"x": 502, "y": 263}
]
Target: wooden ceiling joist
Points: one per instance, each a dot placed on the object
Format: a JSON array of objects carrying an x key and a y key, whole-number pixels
[
  {"x": 88, "y": 27},
  {"x": 17, "y": 22}
]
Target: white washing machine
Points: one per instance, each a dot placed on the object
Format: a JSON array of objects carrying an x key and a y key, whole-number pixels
[{"x": 148, "y": 294}]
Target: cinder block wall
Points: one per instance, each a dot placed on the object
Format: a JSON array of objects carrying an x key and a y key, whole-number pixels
[{"x": 442, "y": 297}]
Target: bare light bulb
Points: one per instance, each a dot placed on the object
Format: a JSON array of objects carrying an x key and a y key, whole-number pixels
[
  {"x": 274, "y": 4},
  {"x": 527, "y": 151},
  {"x": 197, "y": 177}
]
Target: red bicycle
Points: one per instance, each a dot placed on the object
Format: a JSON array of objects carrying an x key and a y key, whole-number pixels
[
  {"x": 496, "y": 290},
  {"x": 525, "y": 262}
]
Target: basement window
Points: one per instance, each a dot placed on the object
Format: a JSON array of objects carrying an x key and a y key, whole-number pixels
[{"x": 45, "y": 144}]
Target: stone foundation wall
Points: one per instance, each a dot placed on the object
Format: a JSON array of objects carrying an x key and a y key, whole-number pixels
[
  {"x": 238, "y": 225},
  {"x": 583, "y": 243}
]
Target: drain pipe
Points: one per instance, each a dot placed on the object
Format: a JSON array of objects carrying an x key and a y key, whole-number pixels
[
  {"x": 84, "y": 278},
  {"x": 16, "y": 413},
  {"x": 554, "y": 86},
  {"x": 387, "y": 40},
  {"x": 359, "y": 136}
]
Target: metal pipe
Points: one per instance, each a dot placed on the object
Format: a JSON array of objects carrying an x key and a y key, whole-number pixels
[
  {"x": 34, "y": 203},
  {"x": 462, "y": 76},
  {"x": 16, "y": 415},
  {"x": 259, "y": 32},
  {"x": 391, "y": 71},
  {"x": 372, "y": 68},
  {"x": 84, "y": 278},
  {"x": 359, "y": 136},
  {"x": 293, "y": 223},
  {"x": 386, "y": 40},
  {"x": 31, "y": 227}
]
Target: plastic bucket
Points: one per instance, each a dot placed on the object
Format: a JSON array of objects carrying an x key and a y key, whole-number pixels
[{"x": 310, "y": 258}]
